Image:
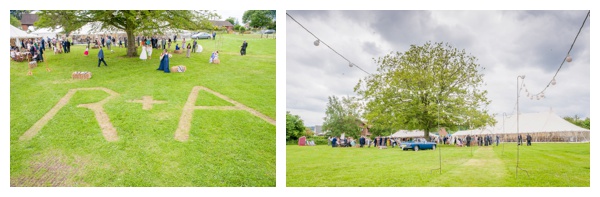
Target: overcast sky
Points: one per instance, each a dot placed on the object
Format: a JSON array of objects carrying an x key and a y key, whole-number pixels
[
  {"x": 507, "y": 44},
  {"x": 237, "y": 14}
]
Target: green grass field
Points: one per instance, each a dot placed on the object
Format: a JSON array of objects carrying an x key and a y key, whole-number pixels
[
  {"x": 225, "y": 147},
  {"x": 548, "y": 165}
]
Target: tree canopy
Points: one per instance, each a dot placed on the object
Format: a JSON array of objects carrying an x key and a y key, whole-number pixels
[
  {"x": 18, "y": 13},
  {"x": 133, "y": 22},
  {"x": 583, "y": 123},
  {"x": 294, "y": 127},
  {"x": 412, "y": 89},
  {"x": 342, "y": 116},
  {"x": 15, "y": 22},
  {"x": 232, "y": 20},
  {"x": 259, "y": 18}
]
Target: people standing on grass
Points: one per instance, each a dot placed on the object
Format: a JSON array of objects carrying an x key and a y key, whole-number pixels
[
  {"x": 163, "y": 43},
  {"x": 528, "y": 140},
  {"x": 334, "y": 142},
  {"x": 194, "y": 46},
  {"x": 519, "y": 140},
  {"x": 497, "y": 140},
  {"x": 143, "y": 55},
  {"x": 108, "y": 43},
  {"x": 214, "y": 35},
  {"x": 183, "y": 43},
  {"x": 189, "y": 47},
  {"x": 169, "y": 44},
  {"x": 164, "y": 62},
  {"x": 244, "y": 46},
  {"x": 101, "y": 57},
  {"x": 468, "y": 140},
  {"x": 361, "y": 141},
  {"x": 149, "y": 49}
]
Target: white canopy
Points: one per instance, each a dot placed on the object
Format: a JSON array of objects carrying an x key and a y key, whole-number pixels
[
  {"x": 47, "y": 32},
  {"x": 528, "y": 123},
  {"x": 407, "y": 134},
  {"x": 534, "y": 123},
  {"x": 17, "y": 33}
]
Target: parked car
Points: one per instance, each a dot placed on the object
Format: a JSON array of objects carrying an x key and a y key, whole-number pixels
[
  {"x": 418, "y": 144},
  {"x": 201, "y": 35},
  {"x": 269, "y": 31}
]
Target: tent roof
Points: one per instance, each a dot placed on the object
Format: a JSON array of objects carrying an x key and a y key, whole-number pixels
[
  {"x": 17, "y": 33},
  {"x": 528, "y": 123},
  {"x": 406, "y": 133}
]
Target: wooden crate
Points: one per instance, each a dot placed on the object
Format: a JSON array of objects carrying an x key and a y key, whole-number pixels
[{"x": 81, "y": 75}]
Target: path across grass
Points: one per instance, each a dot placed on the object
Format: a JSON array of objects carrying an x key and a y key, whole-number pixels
[{"x": 548, "y": 165}]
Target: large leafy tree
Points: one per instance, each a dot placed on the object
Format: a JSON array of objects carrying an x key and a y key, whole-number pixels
[
  {"x": 423, "y": 87},
  {"x": 342, "y": 116},
  {"x": 258, "y": 18},
  {"x": 15, "y": 22},
  {"x": 232, "y": 20},
  {"x": 133, "y": 22},
  {"x": 294, "y": 126}
]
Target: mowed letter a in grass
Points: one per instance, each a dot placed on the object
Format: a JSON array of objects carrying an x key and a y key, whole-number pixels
[
  {"x": 543, "y": 165},
  {"x": 231, "y": 135}
]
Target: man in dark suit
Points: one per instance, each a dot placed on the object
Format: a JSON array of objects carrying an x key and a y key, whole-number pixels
[
  {"x": 101, "y": 57},
  {"x": 334, "y": 142},
  {"x": 468, "y": 140},
  {"x": 519, "y": 140},
  {"x": 244, "y": 46},
  {"x": 361, "y": 141},
  {"x": 528, "y": 140}
]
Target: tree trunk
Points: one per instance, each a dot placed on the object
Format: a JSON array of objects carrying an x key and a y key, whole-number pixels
[{"x": 131, "y": 45}]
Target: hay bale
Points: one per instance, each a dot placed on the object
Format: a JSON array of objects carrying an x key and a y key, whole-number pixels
[
  {"x": 178, "y": 69},
  {"x": 178, "y": 51},
  {"x": 32, "y": 64},
  {"x": 81, "y": 75}
]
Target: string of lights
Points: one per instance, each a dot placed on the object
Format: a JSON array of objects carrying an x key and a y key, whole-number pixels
[
  {"x": 567, "y": 58},
  {"x": 318, "y": 41}
]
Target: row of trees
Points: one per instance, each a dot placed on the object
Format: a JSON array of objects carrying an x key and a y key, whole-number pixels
[{"x": 583, "y": 123}]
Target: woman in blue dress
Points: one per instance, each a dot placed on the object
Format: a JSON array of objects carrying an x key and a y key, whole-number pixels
[{"x": 164, "y": 62}]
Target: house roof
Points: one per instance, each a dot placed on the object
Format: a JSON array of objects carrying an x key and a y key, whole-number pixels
[
  {"x": 28, "y": 19},
  {"x": 221, "y": 23}
]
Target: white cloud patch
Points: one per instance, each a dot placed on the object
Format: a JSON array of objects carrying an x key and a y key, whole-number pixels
[{"x": 506, "y": 43}]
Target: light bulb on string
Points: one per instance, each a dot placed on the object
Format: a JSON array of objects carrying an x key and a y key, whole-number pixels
[
  {"x": 569, "y": 59},
  {"x": 553, "y": 82},
  {"x": 317, "y": 42},
  {"x": 350, "y": 64}
]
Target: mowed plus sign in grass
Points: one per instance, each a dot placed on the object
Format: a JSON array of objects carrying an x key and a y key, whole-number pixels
[
  {"x": 543, "y": 165},
  {"x": 227, "y": 144}
]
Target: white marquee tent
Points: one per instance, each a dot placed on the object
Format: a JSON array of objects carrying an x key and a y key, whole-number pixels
[
  {"x": 47, "y": 32},
  {"x": 17, "y": 33},
  {"x": 543, "y": 126},
  {"x": 411, "y": 134}
]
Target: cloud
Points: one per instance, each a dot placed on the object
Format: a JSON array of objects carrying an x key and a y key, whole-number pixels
[{"x": 506, "y": 43}]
